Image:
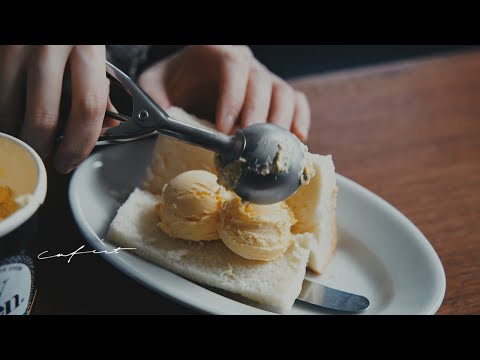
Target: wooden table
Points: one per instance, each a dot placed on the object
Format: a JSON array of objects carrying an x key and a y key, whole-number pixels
[{"x": 409, "y": 132}]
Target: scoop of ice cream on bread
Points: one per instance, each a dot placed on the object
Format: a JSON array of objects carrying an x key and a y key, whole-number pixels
[
  {"x": 257, "y": 232},
  {"x": 190, "y": 206}
]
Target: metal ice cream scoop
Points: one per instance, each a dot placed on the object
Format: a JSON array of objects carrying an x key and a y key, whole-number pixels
[
  {"x": 271, "y": 164},
  {"x": 270, "y": 158}
]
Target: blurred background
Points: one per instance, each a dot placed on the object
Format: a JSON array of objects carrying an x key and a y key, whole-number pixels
[
  {"x": 296, "y": 60},
  {"x": 290, "y": 61}
]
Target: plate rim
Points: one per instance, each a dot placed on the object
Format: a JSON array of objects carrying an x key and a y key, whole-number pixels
[
  {"x": 92, "y": 238},
  {"x": 440, "y": 276}
]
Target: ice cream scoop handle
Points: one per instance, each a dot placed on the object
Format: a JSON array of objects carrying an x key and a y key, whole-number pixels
[
  {"x": 227, "y": 146},
  {"x": 203, "y": 137}
]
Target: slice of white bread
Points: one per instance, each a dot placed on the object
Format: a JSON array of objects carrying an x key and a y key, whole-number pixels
[
  {"x": 172, "y": 157},
  {"x": 314, "y": 206},
  {"x": 275, "y": 283}
]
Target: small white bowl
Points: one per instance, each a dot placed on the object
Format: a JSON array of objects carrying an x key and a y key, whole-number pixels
[{"x": 16, "y": 157}]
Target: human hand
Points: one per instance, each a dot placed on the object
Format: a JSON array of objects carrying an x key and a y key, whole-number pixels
[
  {"x": 30, "y": 87},
  {"x": 229, "y": 82}
]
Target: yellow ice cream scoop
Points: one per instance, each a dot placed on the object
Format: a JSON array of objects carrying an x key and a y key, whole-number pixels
[
  {"x": 257, "y": 232},
  {"x": 190, "y": 205}
]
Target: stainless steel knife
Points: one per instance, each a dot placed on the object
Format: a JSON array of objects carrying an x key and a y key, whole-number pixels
[{"x": 324, "y": 296}]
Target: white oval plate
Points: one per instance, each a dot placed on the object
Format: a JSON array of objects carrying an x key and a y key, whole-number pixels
[{"x": 380, "y": 253}]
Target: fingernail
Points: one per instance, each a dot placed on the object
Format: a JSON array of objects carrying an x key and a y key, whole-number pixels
[
  {"x": 228, "y": 123},
  {"x": 303, "y": 130},
  {"x": 302, "y": 136}
]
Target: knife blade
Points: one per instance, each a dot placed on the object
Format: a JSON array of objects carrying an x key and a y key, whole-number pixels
[{"x": 324, "y": 296}]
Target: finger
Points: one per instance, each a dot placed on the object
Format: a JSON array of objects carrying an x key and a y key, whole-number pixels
[
  {"x": 12, "y": 87},
  {"x": 109, "y": 122},
  {"x": 233, "y": 85},
  {"x": 301, "y": 117},
  {"x": 282, "y": 105},
  {"x": 44, "y": 90},
  {"x": 89, "y": 102},
  {"x": 257, "y": 98},
  {"x": 153, "y": 82}
]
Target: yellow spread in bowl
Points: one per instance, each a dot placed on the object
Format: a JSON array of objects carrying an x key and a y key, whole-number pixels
[{"x": 7, "y": 202}]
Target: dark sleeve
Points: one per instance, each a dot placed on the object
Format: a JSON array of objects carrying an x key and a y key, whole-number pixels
[
  {"x": 129, "y": 58},
  {"x": 133, "y": 59},
  {"x": 159, "y": 52}
]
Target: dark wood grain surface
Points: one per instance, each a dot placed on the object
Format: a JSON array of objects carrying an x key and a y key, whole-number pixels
[{"x": 409, "y": 132}]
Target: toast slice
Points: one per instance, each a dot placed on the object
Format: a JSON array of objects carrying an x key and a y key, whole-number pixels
[
  {"x": 172, "y": 157},
  {"x": 275, "y": 283}
]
